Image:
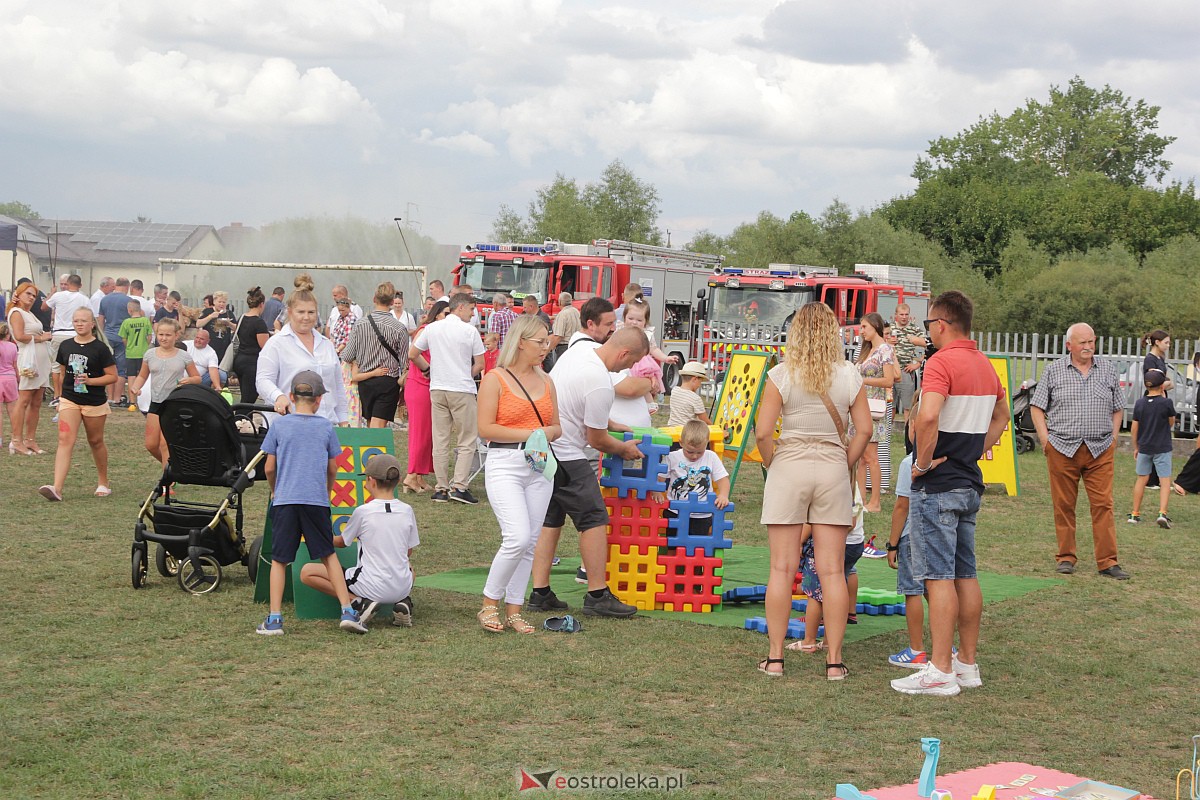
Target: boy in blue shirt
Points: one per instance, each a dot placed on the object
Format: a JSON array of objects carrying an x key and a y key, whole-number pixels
[
  {"x": 1153, "y": 419},
  {"x": 294, "y": 444}
]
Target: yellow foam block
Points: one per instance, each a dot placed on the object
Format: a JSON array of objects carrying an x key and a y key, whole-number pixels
[{"x": 634, "y": 577}]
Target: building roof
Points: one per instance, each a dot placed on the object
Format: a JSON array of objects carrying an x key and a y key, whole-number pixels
[{"x": 102, "y": 242}]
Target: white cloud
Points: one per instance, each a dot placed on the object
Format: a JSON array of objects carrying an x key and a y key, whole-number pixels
[
  {"x": 297, "y": 27},
  {"x": 76, "y": 75},
  {"x": 462, "y": 142}
]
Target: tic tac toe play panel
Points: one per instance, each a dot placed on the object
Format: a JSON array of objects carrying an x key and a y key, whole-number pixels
[{"x": 358, "y": 445}]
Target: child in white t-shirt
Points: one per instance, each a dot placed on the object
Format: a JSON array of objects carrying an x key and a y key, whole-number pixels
[
  {"x": 386, "y": 530},
  {"x": 695, "y": 468}
]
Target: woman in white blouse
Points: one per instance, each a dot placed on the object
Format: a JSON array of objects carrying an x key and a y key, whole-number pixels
[{"x": 300, "y": 346}]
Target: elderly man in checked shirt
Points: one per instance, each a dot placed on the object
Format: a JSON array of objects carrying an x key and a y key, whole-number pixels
[{"x": 1077, "y": 408}]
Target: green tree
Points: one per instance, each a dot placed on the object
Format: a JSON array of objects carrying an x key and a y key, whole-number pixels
[
  {"x": 1080, "y": 130},
  {"x": 769, "y": 239},
  {"x": 618, "y": 206},
  {"x": 15, "y": 208},
  {"x": 623, "y": 206}
]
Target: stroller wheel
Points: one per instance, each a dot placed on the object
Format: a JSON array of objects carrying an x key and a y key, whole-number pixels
[
  {"x": 137, "y": 558},
  {"x": 168, "y": 565},
  {"x": 254, "y": 560},
  {"x": 199, "y": 575}
]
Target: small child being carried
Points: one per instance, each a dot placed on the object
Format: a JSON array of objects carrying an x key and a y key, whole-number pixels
[{"x": 637, "y": 315}]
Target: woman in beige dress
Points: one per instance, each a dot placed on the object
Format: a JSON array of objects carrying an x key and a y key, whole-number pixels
[{"x": 808, "y": 478}]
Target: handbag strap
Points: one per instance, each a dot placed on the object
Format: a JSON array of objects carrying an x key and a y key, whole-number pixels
[
  {"x": 527, "y": 397},
  {"x": 379, "y": 335},
  {"x": 837, "y": 418}
]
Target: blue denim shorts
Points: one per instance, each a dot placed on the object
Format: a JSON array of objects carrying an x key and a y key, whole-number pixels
[
  {"x": 942, "y": 534},
  {"x": 1160, "y": 462},
  {"x": 905, "y": 583}
]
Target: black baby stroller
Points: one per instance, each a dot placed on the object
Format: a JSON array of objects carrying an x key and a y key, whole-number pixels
[
  {"x": 1024, "y": 434},
  {"x": 210, "y": 444}
]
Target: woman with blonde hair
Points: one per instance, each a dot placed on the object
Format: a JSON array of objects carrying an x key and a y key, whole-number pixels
[
  {"x": 515, "y": 400},
  {"x": 33, "y": 368},
  {"x": 816, "y": 393},
  {"x": 220, "y": 322},
  {"x": 297, "y": 347}
]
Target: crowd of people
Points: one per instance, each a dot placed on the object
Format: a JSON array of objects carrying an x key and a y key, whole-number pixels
[{"x": 543, "y": 395}]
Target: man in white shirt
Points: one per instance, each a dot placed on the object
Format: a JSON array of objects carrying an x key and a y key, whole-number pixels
[
  {"x": 207, "y": 364},
  {"x": 585, "y": 398},
  {"x": 107, "y": 284},
  {"x": 437, "y": 290},
  {"x": 63, "y": 305},
  {"x": 465, "y": 288},
  {"x": 136, "y": 288},
  {"x": 340, "y": 292},
  {"x": 456, "y": 352}
]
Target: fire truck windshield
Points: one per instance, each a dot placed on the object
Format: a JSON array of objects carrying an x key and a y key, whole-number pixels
[
  {"x": 756, "y": 305},
  {"x": 502, "y": 276}
]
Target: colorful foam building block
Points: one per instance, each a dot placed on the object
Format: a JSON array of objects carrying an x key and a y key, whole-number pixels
[
  {"x": 878, "y": 597},
  {"x": 691, "y": 582},
  {"x": 635, "y": 575},
  {"x": 795, "y": 629},
  {"x": 680, "y": 528},
  {"x": 641, "y": 477},
  {"x": 636, "y": 522},
  {"x": 716, "y": 437},
  {"x": 745, "y": 594}
]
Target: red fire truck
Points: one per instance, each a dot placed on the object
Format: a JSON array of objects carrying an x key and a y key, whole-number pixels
[
  {"x": 670, "y": 279},
  {"x": 751, "y": 308}
]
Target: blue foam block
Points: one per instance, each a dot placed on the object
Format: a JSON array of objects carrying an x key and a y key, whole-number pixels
[
  {"x": 795, "y": 628},
  {"x": 679, "y": 533},
  {"x": 745, "y": 594},
  {"x": 649, "y": 477}
]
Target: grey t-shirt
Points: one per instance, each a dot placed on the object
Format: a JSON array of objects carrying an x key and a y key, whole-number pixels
[{"x": 165, "y": 373}]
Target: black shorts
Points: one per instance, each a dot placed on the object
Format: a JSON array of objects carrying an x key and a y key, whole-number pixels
[
  {"x": 580, "y": 498},
  {"x": 289, "y": 521},
  {"x": 133, "y": 366},
  {"x": 153, "y": 407},
  {"x": 380, "y": 397}
]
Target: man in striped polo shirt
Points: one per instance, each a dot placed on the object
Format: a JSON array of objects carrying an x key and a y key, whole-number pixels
[{"x": 963, "y": 410}]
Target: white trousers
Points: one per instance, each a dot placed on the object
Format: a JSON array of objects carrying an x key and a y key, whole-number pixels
[{"x": 519, "y": 497}]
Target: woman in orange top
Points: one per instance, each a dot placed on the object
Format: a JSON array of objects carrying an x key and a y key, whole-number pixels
[{"x": 515, "y": 399}]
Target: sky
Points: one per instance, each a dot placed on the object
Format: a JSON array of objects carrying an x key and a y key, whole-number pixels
[{"x": 438, "y": 112}]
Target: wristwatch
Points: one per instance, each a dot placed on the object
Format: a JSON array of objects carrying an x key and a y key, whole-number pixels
[{"x": 891, "y": 548}]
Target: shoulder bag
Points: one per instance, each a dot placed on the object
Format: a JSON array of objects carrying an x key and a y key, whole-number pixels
[
  {"x": 231, "y": 352},
  {"x": 401, "y": 363},
  {"x": 559, "y": 477}
]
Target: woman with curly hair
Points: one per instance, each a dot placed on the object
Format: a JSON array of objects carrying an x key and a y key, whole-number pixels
[{"x": 816, "y": 393}]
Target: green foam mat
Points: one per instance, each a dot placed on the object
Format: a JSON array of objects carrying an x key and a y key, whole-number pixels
[{"x": 746, "y": 566}]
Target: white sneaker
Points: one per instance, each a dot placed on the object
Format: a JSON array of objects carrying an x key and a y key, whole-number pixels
[
  {"x": 967, "y": 674},
  {"x": 930, "y": 680}
]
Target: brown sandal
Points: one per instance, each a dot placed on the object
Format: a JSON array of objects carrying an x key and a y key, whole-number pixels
[
  {"x": 519, "y": 624},
  {"x": 489, "y": 618}
]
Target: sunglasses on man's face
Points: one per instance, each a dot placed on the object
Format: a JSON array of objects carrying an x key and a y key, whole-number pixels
[{"x": 933, "y": 319}]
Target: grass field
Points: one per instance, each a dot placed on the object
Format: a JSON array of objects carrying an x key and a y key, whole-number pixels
[{"x": 115, "y": 693}]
